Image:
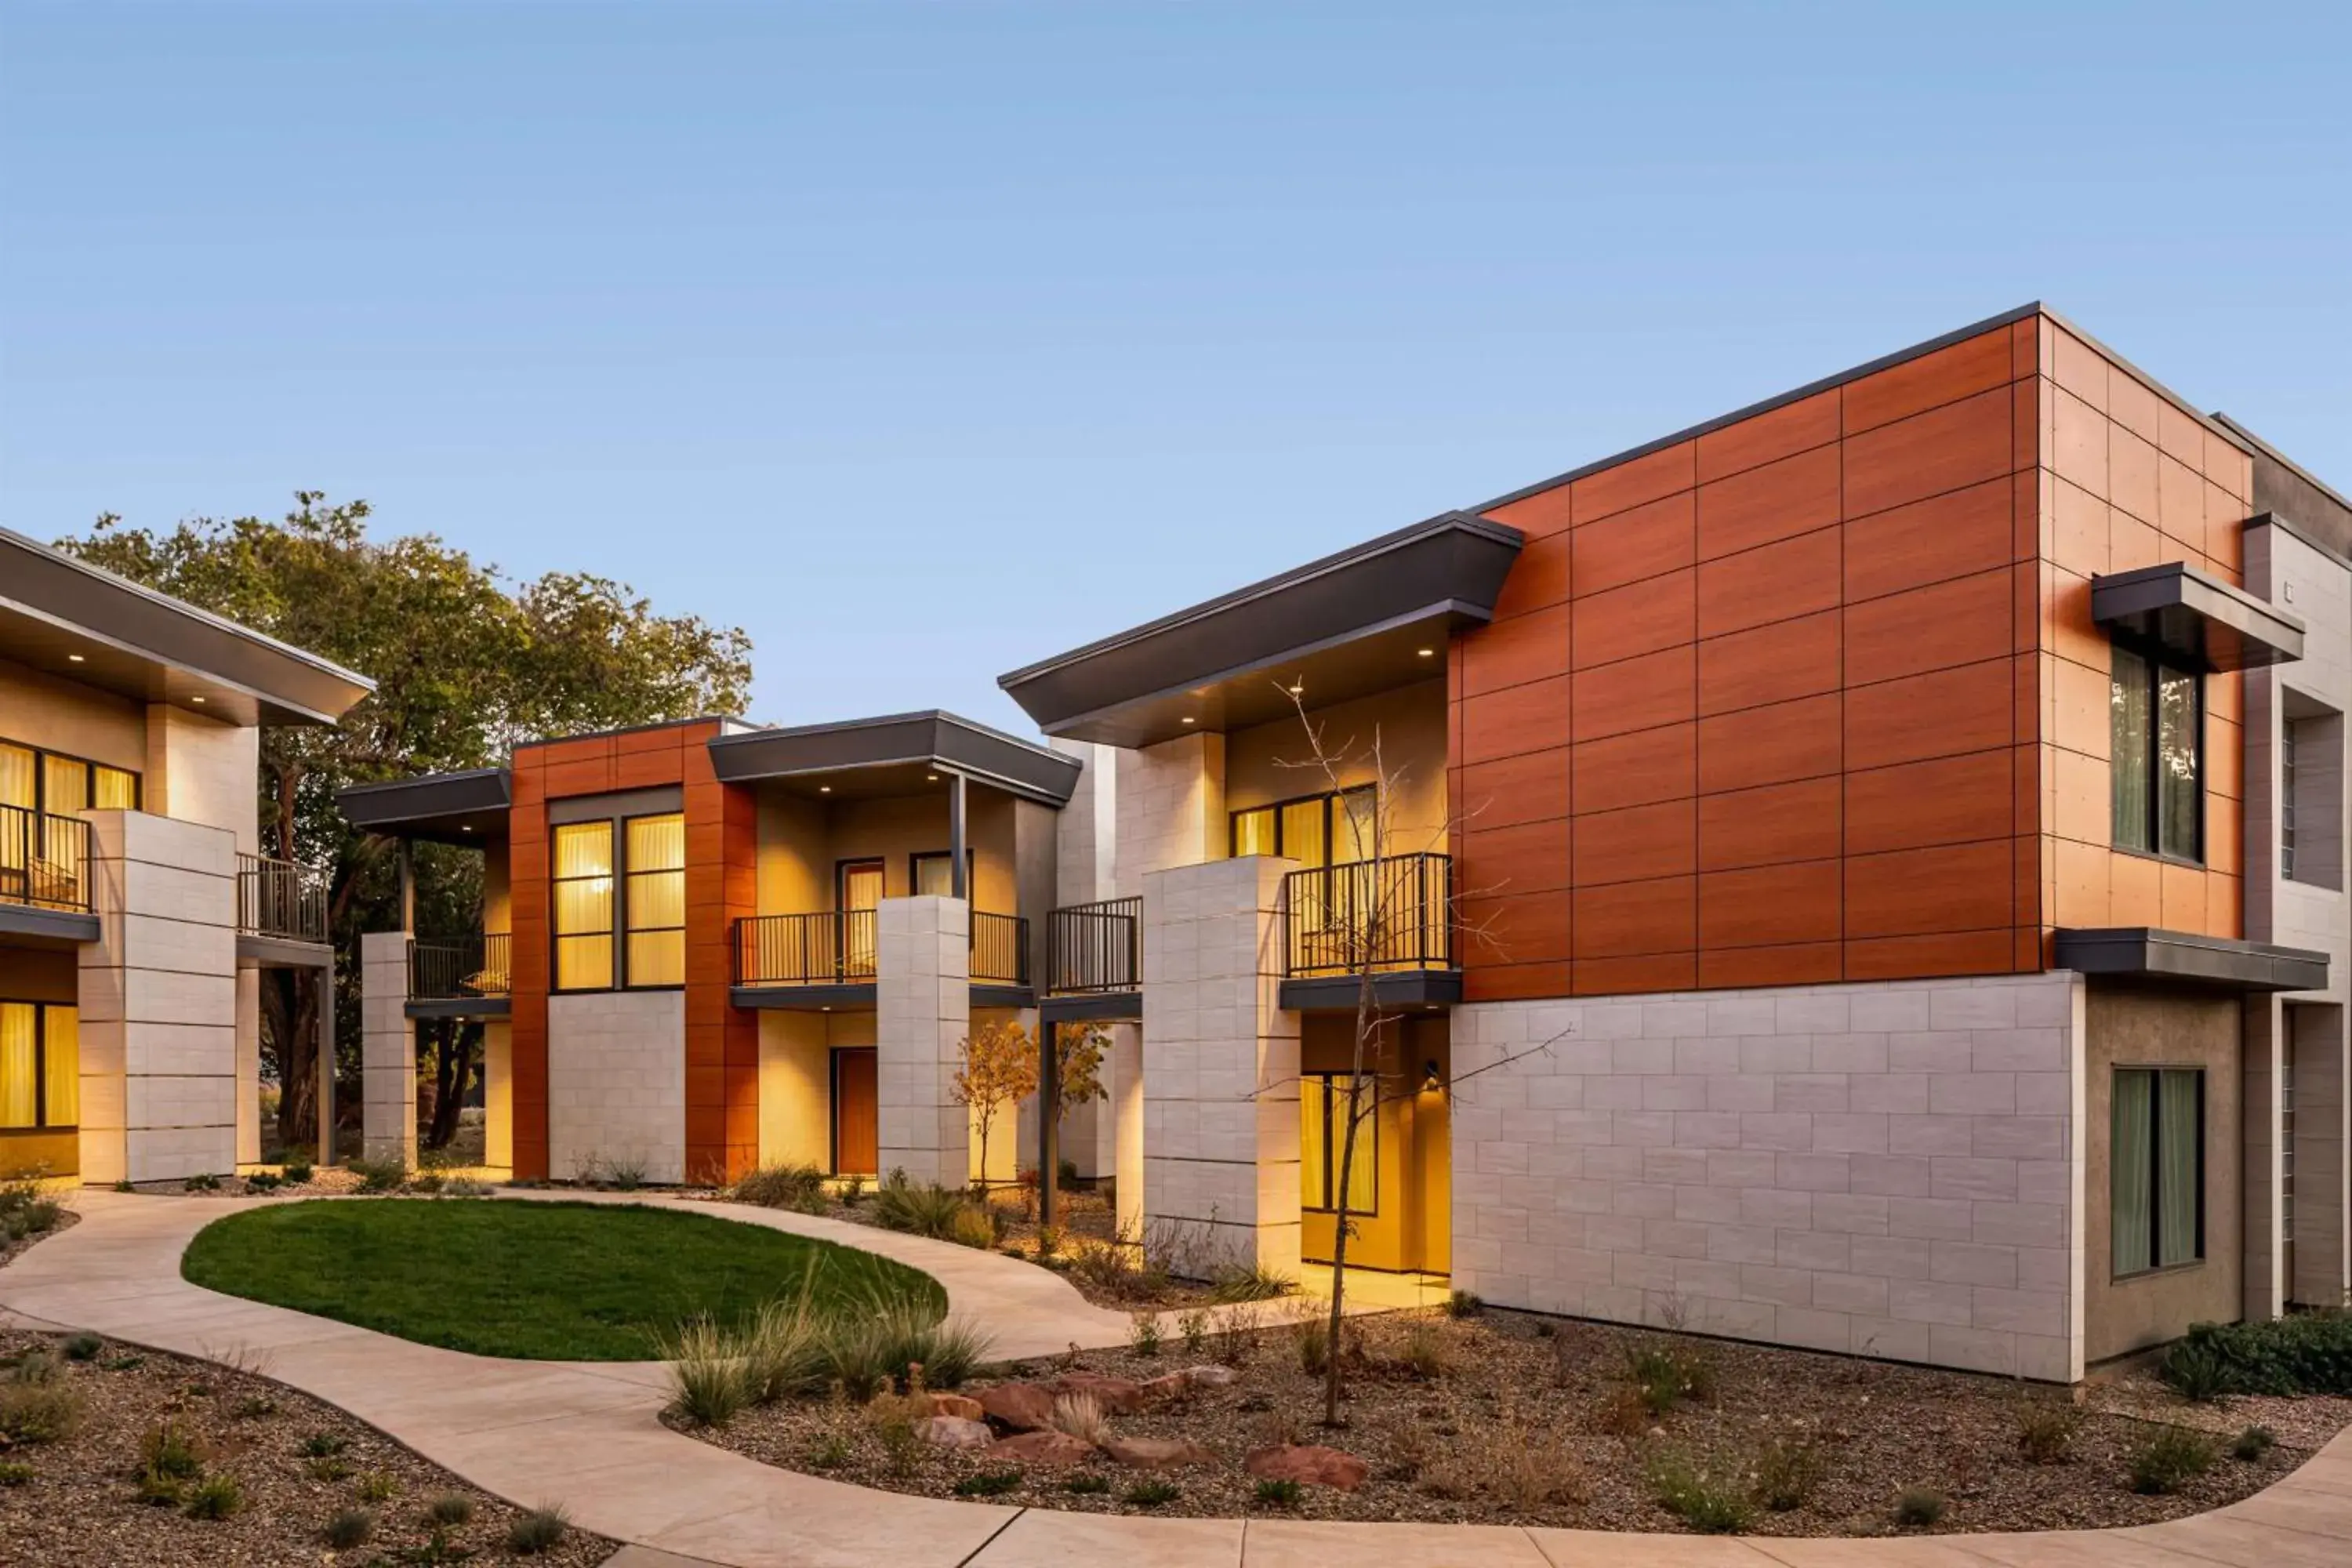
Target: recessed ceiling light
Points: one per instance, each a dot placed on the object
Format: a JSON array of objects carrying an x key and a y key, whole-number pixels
[
  {"x": 197, "y": 701},
  {"x": 1426, "y": 652},
  {"x": 76, "y": 659},
  {"x": 1190, "y": 721},
  {"x": 930, "y": 778},
  {"x": 465, "y": 827},
  {"x": 825, "y": 789}
]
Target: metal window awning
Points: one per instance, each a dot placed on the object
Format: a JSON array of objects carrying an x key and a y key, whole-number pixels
[
  {"x": 2146, "y": 952},
  {"x": 2204, "y": 622}
]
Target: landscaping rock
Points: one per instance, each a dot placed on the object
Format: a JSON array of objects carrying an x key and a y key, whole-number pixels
[
  {"x": 1160, "y": 1390},
  {"x": 956, "y": 1432},
  {"x": 1116, "y": 1394},
  {"x": 1159, "y": 1453},
  {"x": 1211, "y": 1375},
  {"x": 1043, "y": 1449},
  {"x": 958, "y": 1404},
  {"x": 1309, "y": 1464},
  {"x": 1024, "y": 1406}
]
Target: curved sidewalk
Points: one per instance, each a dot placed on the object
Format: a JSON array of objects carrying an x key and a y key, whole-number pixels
[{"x": 584, "y": 1435}]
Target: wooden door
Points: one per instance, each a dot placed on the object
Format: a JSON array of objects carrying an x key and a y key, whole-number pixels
[
  {"x": 855, "y": 1122},
  {"x": 858, "y": 888}
]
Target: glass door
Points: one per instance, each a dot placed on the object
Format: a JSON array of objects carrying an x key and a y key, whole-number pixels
[{"x": 859, "y": 891}]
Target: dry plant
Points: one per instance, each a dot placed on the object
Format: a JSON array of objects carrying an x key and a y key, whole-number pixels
[{"x": 1080, "y": 1415}]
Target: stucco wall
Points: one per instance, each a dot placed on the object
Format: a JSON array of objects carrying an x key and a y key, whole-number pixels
[
  {"x": 1881, "y": 1169},
  {"x": 2149, "y": 1027},
  {"x": 802, "y": 843},
  {"x": 616, "y": 1082},
  {"x": 1264, "y": 764}
]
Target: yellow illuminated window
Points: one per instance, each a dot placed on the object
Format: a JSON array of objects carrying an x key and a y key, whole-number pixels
[
  {"x": 116, "y": 790},
  {"x": 584, "y": 905},
  {"x": 655, "y": 900},
  {"x": 1322, "y": 1131},
  {"x": 19, "y": 777},
  {"x": 1314, "y": 830},
  {"x": 1254, "y": 832},
  {"x": 20, "y": 1064},
  {"x": 64, "y": 784},
  {"x": 61, "y": 1066}
]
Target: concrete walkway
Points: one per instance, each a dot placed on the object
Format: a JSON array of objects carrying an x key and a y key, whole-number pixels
[{"x": 585, "y": 1435}]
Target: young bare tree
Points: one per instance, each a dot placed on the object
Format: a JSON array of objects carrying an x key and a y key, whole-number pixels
[
  {"x": 1380, "y": 907},
  {"x": 1000, "y": 1067}
]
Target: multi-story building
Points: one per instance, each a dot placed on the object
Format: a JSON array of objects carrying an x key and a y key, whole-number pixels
[
  {"x": 1864, "y": 872},
  {"x": 135, "y": 914}
]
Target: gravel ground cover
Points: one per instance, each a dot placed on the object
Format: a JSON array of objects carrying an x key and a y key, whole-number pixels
[
  {"x": 111, "y": 1490},
  {"x": 1504, "y": 1417}
]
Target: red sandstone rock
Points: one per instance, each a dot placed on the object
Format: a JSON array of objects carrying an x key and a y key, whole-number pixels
[
  {"x": 1159, "y": 1453},
  {"x": 1043, "y": 1449},
  {"x": 958, "y": 1405},
  {"x": 1024, "y": 1406},
  {"x": 1310, "y": 1466}
]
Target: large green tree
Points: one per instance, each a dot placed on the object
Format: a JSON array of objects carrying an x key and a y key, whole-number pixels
[{"x": 466, "y": 662}]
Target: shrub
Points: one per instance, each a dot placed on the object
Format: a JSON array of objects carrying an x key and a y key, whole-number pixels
[
  {"x": 1919, "y": 1507},
  {"x": 123, "y": 1362},
  {"x": 324, "y": 1444},
  {"x": 1426, "y": 1353},
  {"x": 541, "y": 1529},
  {"x": 988, "y": 1483},
  {"x": 2168, "y": 1458},
  {"x": 1193, "y": 1326},
  {"x": 1313, "y": 1337},
  {"x": 1248, "y": 1282},
  {"x": 871, "y": 1346},
  {"x": 37, "y": 1365},
  {"x": 297, "y": 1174},
  {"x": 782, "y": 1186},
  {"x": 1708, "y": 1501},
  {"x": 158, "y": 1492},
  {"x": 927, "y": 1210},
  {"x": 262, "y": 1181},
  {"x": 39, "y": 1412},
  {"x": 1463, "y": 1304},
  {"x": 1278, "y": 1494},
  {"x": 1622, "y": 1411},
  {"x": 463, "y": 1187},
  {"x": 1150, "y": 1494},
  {"x": 893, "y": 1420},
  {"x": 1528, "y": 1467},
  {"x": 83, "y": 1347},
  {"x": 450, "y": 1510},
  {"x": 1143, "y": 1334},
  {"x": 832, "y": 1452},
  {"x": 853, "y": 1191},
  {"x": 215, "y": 1496},
  {"x": 2254, "y": 1443},
  {"x": 377, "y": 1486},
  {"x": 1786, "y": 1470},
  {"x": 203, "y": 1182},
  {"x": 975, "y": 1225},
  {"x": 379, "y": 1177},
  {"x": 170, "y": 1449},
  {"x": 708, "y": 1386},
  {"x": 1087, "y": 1483},
  {"x": 348, "y": 1529},
  {"x": 253, "y": 1407},
  {"x": 328, "y": 1469},
  {"x": 2047, "y": 1428},
  {"x": 1667, "y": 1375},
  {"x": 13, "y": 1474},
  {"x": 2308, "y": 1352}
]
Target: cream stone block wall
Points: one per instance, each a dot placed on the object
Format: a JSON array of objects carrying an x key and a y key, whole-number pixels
[
  {"x": 248, "y": 1066},
  {"x": 923, "y": 1012},
  {"x": 1172, "y": 808},
  {"x": 1221, "y": 1068},
  {"x": 1890, "y": 1170},
  {"x": 796, "y": 1089},
  {"x": 158, "y": 995},
  {"x": 201, "y": 770},
  {"x": 1125, "y": 1113},
  {"x": 616, "y": 1082},
  {"x": 387, "y": 1050},
  {"x": 498, "y": 1094}
]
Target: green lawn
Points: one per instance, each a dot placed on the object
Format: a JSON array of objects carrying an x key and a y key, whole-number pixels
[{"x": 546, "y": 1281}]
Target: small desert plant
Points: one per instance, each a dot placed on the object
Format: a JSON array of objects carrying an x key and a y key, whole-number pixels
[
  {"x": 13, "y": 1474},
  {"x": 39, "y": 1412},
  {"x": 539, "y": 1530},
  {"x": 1143, "y": 1334},
  {"x": 1622, "y": 1411},
  {"x": 988, "y": 1483},
  {"x": 1529, "y": 1466},
  {"x": 1194, "y": 1327},
  {"x": 706, "y": 1369},
  {"x": 379, "y": 1177},
  {"x": 929, "y": 1209},
  {"x": 1703, "y": 1497},
  {"x": 464, "y": 1188},
  {"x": 324, "y": 1444},
  {"x": 123, "y": 1362},
  {"x": 1463, "y": 1304},
  {"x": 329, "y": 1468},
  {"x": 297, "y": 1174},
  {"x": 2168, "y": 1458},
  {"x": 1426, "y": 1353},
  {"x": 39, "y": 1364},
  {"x": 1277, "y": 1494},
  {"x": 1919, "y": 1507},
  {"x": 215, "y": 1496},
  {"x": 1150, "y": 1494},
  {"x": 1410, "y": 1451},
  {"x": 1667, "y": 1375},
  {"x": 169, "y": 1448},
  {"x": 1081, "y": 1416},
  {"x": 254, "y": 1406},
  {"x": 1786, "y": 1470},
  {"x": 2254, "y": 1443},
  {"x": 2196, "y": 1372},
  {"x": 977, "y": 1226},
  {"x": 1087, "y": 1483},
  {"x": 83, "y": 1347},
  {"x": 853, "y": 1190},
  {"x": 1313, "y": 1338},
  {"x": 1248, "y": 1282},
  {"x": 2047, "y": 1428},
  {"x": 377, "y": 1486},
  {"x": 262, "y": 1181},
  {"x": 782, "y": 1186},
  {"x": 449, "y": 1510},
  {"x": 203, "y": 1182},
  {"x": 892, "y": 1418},
  {"x": 348, "y": 1529},
  {"x": 831, "y": 1452},
  {"x": 1240, "y": 1338}
]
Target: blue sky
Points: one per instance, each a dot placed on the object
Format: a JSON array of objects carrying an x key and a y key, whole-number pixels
[{"x": 926, "y": 341}]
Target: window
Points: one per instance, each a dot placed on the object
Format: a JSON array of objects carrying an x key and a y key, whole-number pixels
[
  {"x": 2156, "y": 761},
  {"x": 1314, "y": 830},
  {"x": 655, "y": 901},
  {"x": 36, "y": 780},
  {"x": 2286, "y": 798},
  {"x": 40, "y": 1065},
  {"x": 931, "y": 874},
  {"x": 2157, "y": 1162},
  {"x": 584, "y": 905},
  {"x": 1322, "y": 1127}
]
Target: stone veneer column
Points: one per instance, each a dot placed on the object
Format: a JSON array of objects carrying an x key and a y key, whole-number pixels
[
  {"x": 248, "y": 1066},
  {"x": 1124, "y": 1112},
  {"x": 387, "y": 1050},
  {"x": 921, "y": 1014},
  {"x": 1221, "y": 1069},
  {"x": 158, "y": 1001}
]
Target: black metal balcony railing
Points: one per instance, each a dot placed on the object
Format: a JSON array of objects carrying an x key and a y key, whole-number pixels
[
  {"x": 1385, "y": 914},
  {"x": 280, "y": 898},
  {"x": 1092, "y": 948},
  {"x": 831, "y": 947},
  {"x": 44, "y": 860},
  {"x": 456, "y": 971},
  {"x": 999, "y": 949}
]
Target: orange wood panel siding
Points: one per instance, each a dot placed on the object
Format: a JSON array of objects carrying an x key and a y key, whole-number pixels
[{"x": 1816, "y": 696}]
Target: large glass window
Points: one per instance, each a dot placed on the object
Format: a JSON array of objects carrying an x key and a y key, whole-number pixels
[
  {"x": 2156, "y": 1164},
  {"x": 931, "y": 874},
  {"x": 1322, "y": 1129},
  {"x": 34, "y": 780},
  {"x": 584, "y": 905},
  {"x": 40, "y": 1065},
  {"x": 2156, "y": 760},
  {"x": 655, "y": 900},
  {"x": 1329, "y": 829}
]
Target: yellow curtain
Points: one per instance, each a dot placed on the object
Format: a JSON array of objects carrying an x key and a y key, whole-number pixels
[
  {"x": 19, "y": 1068},
  {"x": 64, "y": 784},
  {"x": 583, "y": 849},
  {"x": 1314, "y": 1179},
  {"x": 116, "y": 790},
  {"x": 16, "y": 777},
  {"x": 63, "y": 1050},
  {"x": 657, "y": 843},
  {"x": 1254, "y": 832}
]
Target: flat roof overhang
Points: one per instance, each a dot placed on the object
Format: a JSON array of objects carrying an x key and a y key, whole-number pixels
[
  {"x": 1404, "y": 989},
  {"x": 1344, "y": 627},
  {"x": 2225, "y": 964},
  {"x": 459, "y": 1007},
  {"x": 2198, "y": 619},
  {"x": 896, "y": 754},
  {"x": 468, "y": 807},
  {"x": 1090, "y": 1006},
  {"x": 76, "y": 621}
]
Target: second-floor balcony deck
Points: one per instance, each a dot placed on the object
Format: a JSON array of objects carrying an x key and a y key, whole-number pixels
[
  {"x": 837, "y": 952},
  {"x": 1391, "y": 919},
  {"x": 466, "y": 977},
  {"x": 44, "y": 860},
  {"x": 284, "y": 901}
]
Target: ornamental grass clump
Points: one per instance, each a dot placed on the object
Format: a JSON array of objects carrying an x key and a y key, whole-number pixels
[
  {"x": 215, "y": 1496},
  {"x": 1785, "y": 1471},
  {"x": 541, "y": 1529},
  {"x": 2168, "y": 1458},
  {"x": 925, "y": 1209},
  {"x": 1920, "y": 1508},
  {"x": 2047, "y": 1428},
  {"x": 784, "y": 1186}
]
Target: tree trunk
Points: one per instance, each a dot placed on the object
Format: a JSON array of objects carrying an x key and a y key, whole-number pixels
[
  {"x": 454, "y": 1065},
  {"x": 1342, "y": 1223},
  {"x": 289, "y": 1012}
]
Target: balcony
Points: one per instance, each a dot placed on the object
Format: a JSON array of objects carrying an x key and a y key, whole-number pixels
[
  {"x": 827, "y": 960},
  {"x": 1391, "y": 918},
  {"x": 283, "y": 900},
  {"x": 44, "y": 878},
  {"x": 1094, "y": 960},
  {"x": 467, "y": 978}
]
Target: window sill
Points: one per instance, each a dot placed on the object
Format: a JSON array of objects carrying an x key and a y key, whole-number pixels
[
  {"x": 2159, "y": 1272},
  {"x": 2160, "y": 858}
]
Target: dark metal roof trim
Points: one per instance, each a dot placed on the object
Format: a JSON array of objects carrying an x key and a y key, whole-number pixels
[
  {"x": 153, "y": 634},
  {"x": 932, "y": 738},
  {"x": 2149, "y": 953},
  {"x": 1092, "y": 1006},
  {"x": 1448, "y": 567},
  {"x": 987, "y": 996},
  {"x": 461, "y": 1007},
  {"x": 2199, "y": 619},
  {"x": 803, "y": 998},
  {"x": 437, "y": 805},
  {"x": 1400, "y": 988}
]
